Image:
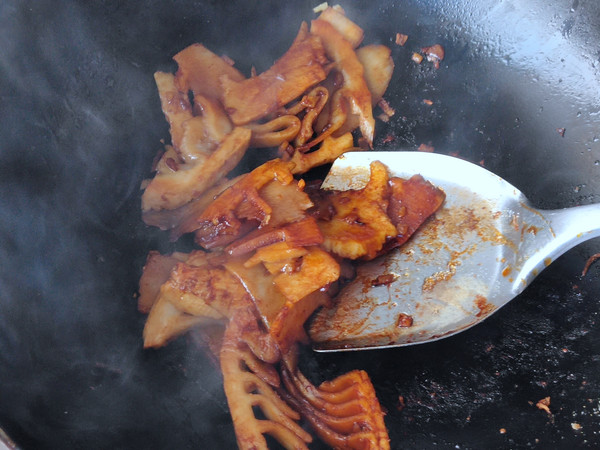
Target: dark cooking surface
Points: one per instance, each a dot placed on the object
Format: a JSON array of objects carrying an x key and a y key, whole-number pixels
[{"x": 80, "y": 122}]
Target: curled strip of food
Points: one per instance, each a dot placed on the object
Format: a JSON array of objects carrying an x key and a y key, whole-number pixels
[
  {"x": 330, "y": 149},
  {"x": 314, "y": 103},
  {"x": 183, "y": 183},
  {"x": 299, "y": 69},
  {"x": 250, "y": 384},
  {"x": 344, "y": 412},
  {"x": 273, "y": 133},
  {"x": 355, "y": 89},
  {"x": 339, "y": 115}
]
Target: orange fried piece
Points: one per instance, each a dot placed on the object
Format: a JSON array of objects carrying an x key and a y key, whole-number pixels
[
  {"x": 313, "y": 271},
  {"x": 412, "y": 201},
  {"x": 299, "y": 69},
  {"x": 344, "y": 412},
  {"x": 192, "y": 295},
  {"x": 359, "y": 225},
  {"x": 305, "y": 232},
  {"x": 286, "y": 283},
  {"x": 240, "y": 208}
]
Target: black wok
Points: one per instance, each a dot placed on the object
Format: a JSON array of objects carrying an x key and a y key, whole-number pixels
[{"x": 81, "y": 122}]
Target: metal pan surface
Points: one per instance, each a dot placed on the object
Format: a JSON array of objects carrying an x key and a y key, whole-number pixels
[{"x": 518, "y": 91}]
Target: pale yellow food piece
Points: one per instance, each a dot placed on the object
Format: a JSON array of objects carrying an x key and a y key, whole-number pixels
[
  {"x": 355, "y": 88},
  {"x": 337, "y": 18},
  {"x": 200, "y": 70},
  {"x": 165, "y": 322},
  {"x": 379, "y": 67},
  {"x": 156, "y": 271},
  {"x": 170, "y": 190}
]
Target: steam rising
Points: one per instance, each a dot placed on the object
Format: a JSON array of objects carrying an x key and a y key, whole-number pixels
[{"x": 80, "y": 125}]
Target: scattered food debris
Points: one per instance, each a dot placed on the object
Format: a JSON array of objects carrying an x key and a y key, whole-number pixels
[
  {"x": 401, "y": 403},
  {"x": 434, "y": 54},
  {"x": 401, "y": 39},
  {"x": 384, "y": 279},
  {"x": 416, "y": 57},
  {"x": 320, "y": 8},
  {"x": 428, "y": 102},
  {"x": 384, "y": 117},
  {"x": 502, "y": 430},
  {"x": 426, "y": 148},
  {"x": 561, "y": 131},
  {"x": 576, "y": 426},
  {"x": 389, "y": 138},
  {"x": 591, "y": 260},
  {"x": 404, "y": 321},
  {"x": 386, "y": 108},
  {"x": 544, "y": 405}
]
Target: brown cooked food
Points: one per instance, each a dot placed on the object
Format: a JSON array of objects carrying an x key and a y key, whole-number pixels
[{"x": 270, "y": 250}]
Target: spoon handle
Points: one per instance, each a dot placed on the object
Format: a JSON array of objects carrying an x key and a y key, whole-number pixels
[{"x": 568, "y": 227}]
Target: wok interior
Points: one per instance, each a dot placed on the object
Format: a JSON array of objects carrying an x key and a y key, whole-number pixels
[{"x": 83, "y": 123}]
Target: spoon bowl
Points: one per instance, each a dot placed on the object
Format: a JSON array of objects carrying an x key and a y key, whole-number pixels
[{"x": 483, "y": 247}]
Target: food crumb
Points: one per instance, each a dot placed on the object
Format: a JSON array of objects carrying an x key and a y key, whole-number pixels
[
  {"x": 401, "y": 39},
  {"x": 320, "y": 8},
  {"x": 544, "y": 405},
  {"x": 384, "y": 279},
  {"x": 502, "y": 430},
  {"x": 384, "y": 117},
  {"x": 401, "y": 403},
  {"x": 428, "y": 102},
  {"x": 386, "y": 108},
  {"x": 416, "y": 57},
  {"x": 389, "y": 138},
  {"x": 404, "y": 321},
  {"x": 435, "y": 54},
  {"x": 561, "y": 131},
  {"x": 576, "y": 426},
  {"x": 426, "y": 148}
]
